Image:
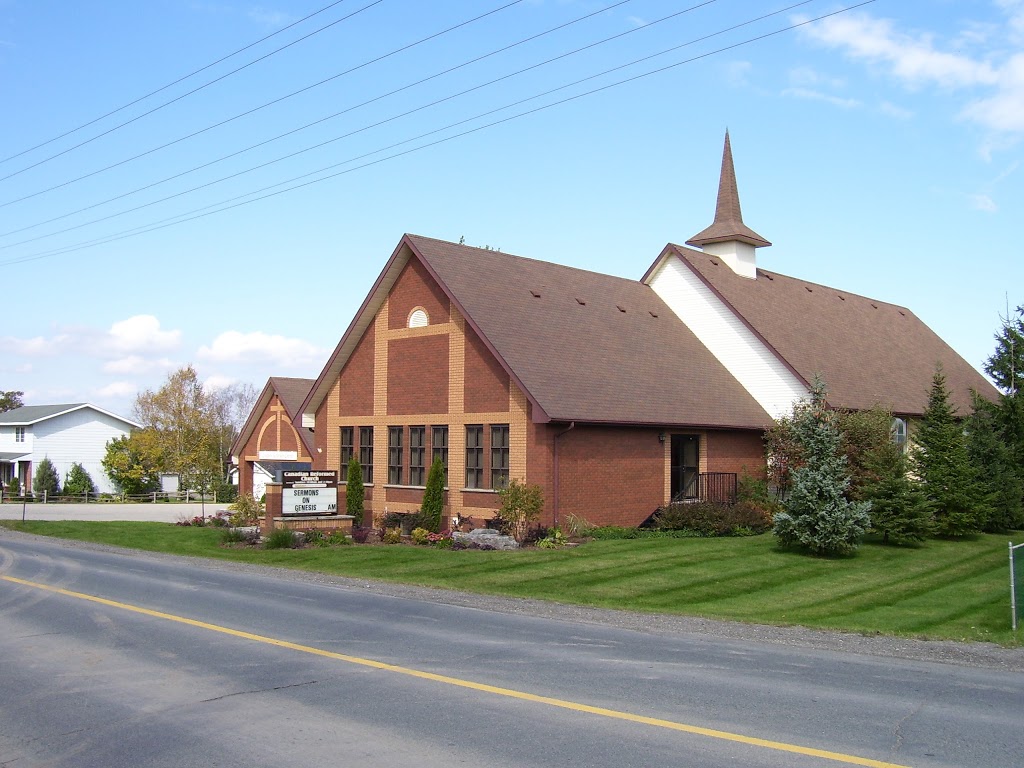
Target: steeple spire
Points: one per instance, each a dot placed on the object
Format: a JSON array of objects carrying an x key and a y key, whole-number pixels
[{"x": 728, "y": 225}]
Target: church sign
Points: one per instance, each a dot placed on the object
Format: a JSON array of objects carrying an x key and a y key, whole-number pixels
[{"x": 309, "y": 492}]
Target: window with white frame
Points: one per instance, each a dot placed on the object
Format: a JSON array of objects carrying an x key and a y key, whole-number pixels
[
  {"x": 19, "y": 434},
  {"x": 898, "y": 430}
]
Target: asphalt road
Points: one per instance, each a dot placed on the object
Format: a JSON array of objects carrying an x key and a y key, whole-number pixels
[{"x": 125, "y": 659}]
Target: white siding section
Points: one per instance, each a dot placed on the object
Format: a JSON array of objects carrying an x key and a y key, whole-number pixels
[
  {"x": 8, "y": 444},
  {"x": 744, "y": 355},
  {"x": 79, "y": 436}
]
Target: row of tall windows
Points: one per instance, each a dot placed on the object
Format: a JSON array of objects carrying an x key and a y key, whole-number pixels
[{"x": 418, "y": 466}]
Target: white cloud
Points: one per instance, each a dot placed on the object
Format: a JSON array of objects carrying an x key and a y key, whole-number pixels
[
  {"x": 916, "y": 60},
  {"x": 983, "y": 203},
  {"x": 38, "y": 346},
  {"x": 235, "y": 347},
  {"x": 736, "y": 73},
  {"x": 811, "y": 95},
  {"x": 118, "y": 389},
  {"x": 218, "y": 381},
  {"x": 141, "y": 333},
  {"x": 134, "y": 364},
  {"x": 270, "y": 18}
]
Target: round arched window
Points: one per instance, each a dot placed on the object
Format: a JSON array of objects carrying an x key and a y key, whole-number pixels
[
  {"x": 899, "y": 432},
  {"x": 418, "y": 318}
]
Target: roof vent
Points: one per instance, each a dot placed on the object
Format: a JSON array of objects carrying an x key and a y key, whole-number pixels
[
  {"x": 873, "y": 305},
  {"x": 653, "y": 314},
  {"x": 581, "y": 302},
  {"x": 620, "y": 308},
  {"x": 808, "y": 289},
  {"x": 841, "y": 297},
  {"x": 768, "y": 276},
  {"x": 714, "y": 262},
  {"x": 534, "y": 293},
  {"x": 903, "y": 313}
]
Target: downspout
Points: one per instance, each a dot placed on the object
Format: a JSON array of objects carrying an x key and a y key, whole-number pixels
[{"x": 572, "y": 426}]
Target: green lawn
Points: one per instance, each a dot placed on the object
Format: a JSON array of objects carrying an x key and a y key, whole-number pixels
[{"x": 944, "y": 589}]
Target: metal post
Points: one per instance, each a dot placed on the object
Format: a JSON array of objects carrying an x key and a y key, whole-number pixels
[{"x": 1013, "y": 591}]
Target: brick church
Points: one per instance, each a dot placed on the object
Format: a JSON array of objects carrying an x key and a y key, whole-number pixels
[{"x": 614, "y": 395}]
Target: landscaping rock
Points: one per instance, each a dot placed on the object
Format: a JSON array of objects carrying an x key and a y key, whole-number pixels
[{"x": 485, "y": 537}]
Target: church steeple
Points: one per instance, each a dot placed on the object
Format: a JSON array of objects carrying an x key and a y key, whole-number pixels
[{"x": 728, "y": 237}]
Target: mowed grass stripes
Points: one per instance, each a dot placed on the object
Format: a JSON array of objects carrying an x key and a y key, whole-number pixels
[{"x": 943, "y": 589}]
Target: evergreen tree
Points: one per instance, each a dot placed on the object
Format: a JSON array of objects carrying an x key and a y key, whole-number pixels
[
  {"x": 899, "y": 509},
  {"x": 355, "y": 493},
  {"x": 998, "y": 474},
  {"x": 817, "y": 515},
  {"x": 432, "y": 508},
  {"x": 944, "y": 467},
  {"x": 78, "y": 481},
  {"x": 46, "y": 479},
  {"x": 1006, "y": 364}
]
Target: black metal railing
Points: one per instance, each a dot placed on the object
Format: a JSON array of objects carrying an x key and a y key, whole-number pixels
[{"x": 718, "y": 487}]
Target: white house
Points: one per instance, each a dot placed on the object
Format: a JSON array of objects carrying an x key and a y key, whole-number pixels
[{"x": 65, "y": 434}]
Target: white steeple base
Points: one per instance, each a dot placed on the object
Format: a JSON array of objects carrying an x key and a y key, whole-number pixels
[{"x": 739, "y": 257}]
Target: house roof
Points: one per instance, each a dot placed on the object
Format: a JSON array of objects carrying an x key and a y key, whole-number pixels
[
  {"x": 292, "y": 392},
  {"x": 728, "y": 224},
  {"x": 869, "y": 352},
  {"x": 33, "y": 414},
  {"x": 582, "y": 346}
]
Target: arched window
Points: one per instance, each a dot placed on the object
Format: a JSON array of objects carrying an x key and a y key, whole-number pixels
[{"x": 418, "y": 318}]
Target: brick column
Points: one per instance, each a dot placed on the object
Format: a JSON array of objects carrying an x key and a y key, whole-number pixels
[{"x": 273, "y": 507}]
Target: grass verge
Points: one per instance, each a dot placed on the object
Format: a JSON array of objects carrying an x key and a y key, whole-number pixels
[{"x": 955, "y": 590}]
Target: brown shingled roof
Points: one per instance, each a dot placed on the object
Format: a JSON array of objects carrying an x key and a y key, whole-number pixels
[
  {"x": 586, "y": 346},
  {"x": 292, "y": 393},
  {"x": 728, "y": 224},
  {"x": 869, "y": 352}
]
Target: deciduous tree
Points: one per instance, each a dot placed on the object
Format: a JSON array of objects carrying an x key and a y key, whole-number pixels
[
  {"x": 10, "y": 400},
  {"x": 134, "y": 462}
]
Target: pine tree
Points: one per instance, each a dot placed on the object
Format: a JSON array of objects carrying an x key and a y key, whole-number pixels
[
  {"x": 355, "y": 493},
  {"x": 78, "y": 481},
  {"x": 944, "y": 467},
  {"x": 899, "y": 509},
  {"x": 817, "y": 514},
  {"x": 46, "y": 479},
  {"x": 998, "y": 474},
  {"x": 432, "y": 508}
]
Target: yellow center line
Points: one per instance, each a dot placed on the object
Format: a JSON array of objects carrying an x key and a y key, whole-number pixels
[{"x": 507, "y": 692}]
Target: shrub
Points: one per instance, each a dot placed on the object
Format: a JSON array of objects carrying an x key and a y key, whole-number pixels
[
  {"x": 709, "y": 518},
  {"x": 225, "y": 493},
  {"x": 46, "y": 480},
  {"x": 245, "y": 511},
  {"x": 281, "y": 538},
  {"x": 553, "y": 540},
  {"x": 432, "y": 508},
  {"x": 355, "y": 493},
  {"x": 361, "y": 535},
  {"x": 78, "y": 482},
  {"x": 391, "y": 536},
  {"x": 521, "y": 505},
  {"x": 420, "y": 536},
  {"x": 14, "y": 487}
]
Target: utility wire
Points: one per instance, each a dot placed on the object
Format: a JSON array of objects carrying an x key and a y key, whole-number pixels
[
  {"x": 174, "y": 82},
  {"x": 187, "y": 93},
  {"x": 231, "y": 204},
  {"x": 254, "y": 109},
  {"x": 347, "y": 110}
]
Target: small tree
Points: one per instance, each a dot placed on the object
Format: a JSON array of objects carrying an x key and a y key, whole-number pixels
[
  {"x": 14, "y": 487},
  {"x": 46, "y": 480},
  {"x": 432, "y": 508},
  {"x": 866, "y": 441},
  {"x": 817, "y": 514},
  {"x": 899, "y": 509},
  {"x": 521, "y": 505},
  {"x": 78, "y": 481},
  {"x": 355, "y": 493},
  {"x": 942, "y": 463}
]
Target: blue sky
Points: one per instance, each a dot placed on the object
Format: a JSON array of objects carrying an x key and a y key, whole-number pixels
[{"x": 878, "y": 149}]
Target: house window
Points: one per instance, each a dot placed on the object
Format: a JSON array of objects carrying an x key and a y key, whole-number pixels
[
  {"x": 417, "y": 453},
  {"x": 347, "y": 449},
  {"x": 475, "y": 457},
  {"x": 19, "y": 434},
  {"x": 899, "y": 433},
  {"x": 366, "y": 453},
  {"x": 439, "y": 448},
  {"x": 499, "y": 455},
  {"x": 395, "y": 455}
]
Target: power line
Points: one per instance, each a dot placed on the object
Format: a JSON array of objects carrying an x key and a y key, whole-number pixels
[
  {"x": 231, "y": 203},
  {"x": 254, "y": 109},
  {"x": 187, "y": 93},
  {"x": 347, "y": 110},
  {"x": 173, "y": 82}
]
